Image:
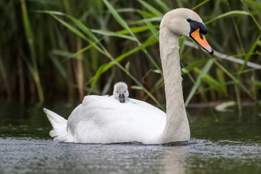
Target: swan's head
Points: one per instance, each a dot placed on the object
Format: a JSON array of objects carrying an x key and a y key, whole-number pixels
[
  {"x": 120, "y": 92},
  {"x": 186, "y": 22}
]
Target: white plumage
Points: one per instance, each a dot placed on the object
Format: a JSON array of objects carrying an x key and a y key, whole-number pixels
[{"x": 103, "y": 119}]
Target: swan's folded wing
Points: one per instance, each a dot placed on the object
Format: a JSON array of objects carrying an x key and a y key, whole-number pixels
[
  {"x": 146, "y": 105},
  {"x": 104, "y": 119}
]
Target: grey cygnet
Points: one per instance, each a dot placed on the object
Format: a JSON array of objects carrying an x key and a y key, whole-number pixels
[{"x": 120, "y": 92}]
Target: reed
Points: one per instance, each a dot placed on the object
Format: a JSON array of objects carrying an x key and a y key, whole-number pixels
[{"x": 62, "y": 50}]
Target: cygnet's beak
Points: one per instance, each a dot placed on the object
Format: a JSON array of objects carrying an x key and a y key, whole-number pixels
[
  {"x": 201, "y": 40},
  {"x": 122, "y": 98}
]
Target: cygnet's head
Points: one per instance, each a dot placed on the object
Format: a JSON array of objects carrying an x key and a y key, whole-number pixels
[
  {"x": 183, "y": 21},
  {"x": 120, "y": 92}
]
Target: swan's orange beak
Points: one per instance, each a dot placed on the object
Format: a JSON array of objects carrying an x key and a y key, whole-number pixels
[{"x": 201, "y": 40}]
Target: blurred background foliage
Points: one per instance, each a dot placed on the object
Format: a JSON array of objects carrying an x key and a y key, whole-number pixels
[{"x": 65, "y": 49}]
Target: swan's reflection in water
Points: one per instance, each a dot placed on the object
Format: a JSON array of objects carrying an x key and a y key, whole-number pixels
[
  {"x": 44, "y": 156},
  {"x": 174, "y": 159},
  {"x": 131, "y": 158},
  {"x": 36, "y": 156},
  {"x": 136, "y": 159}
]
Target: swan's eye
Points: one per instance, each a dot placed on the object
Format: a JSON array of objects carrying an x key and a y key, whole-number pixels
[{"x": 194, "y": 25}]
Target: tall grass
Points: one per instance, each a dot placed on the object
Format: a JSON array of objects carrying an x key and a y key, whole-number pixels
[{"x": 64, "y": 50}]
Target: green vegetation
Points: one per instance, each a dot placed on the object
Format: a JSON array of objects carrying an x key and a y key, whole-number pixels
[{"x": 65, "y": 49}]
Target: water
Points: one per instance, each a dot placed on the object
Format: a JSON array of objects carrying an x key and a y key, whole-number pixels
[{"x": 221, "y": 143}]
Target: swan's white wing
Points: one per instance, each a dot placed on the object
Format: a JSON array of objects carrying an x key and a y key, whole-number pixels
[{"x": 102, "y": 119}]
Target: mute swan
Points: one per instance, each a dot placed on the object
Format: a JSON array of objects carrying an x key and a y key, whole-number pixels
[
  {"x": 102, "y": 119},
  {"x": 120, "y": 92}
]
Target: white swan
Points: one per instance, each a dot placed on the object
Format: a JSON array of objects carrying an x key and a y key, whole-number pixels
[{"x": 102, "y": 119}]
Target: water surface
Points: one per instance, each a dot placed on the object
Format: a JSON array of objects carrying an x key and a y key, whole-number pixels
[{"x": 221, "y": 143}]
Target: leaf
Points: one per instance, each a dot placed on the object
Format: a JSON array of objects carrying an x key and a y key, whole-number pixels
[
  {"x": 113, "y": 34},
  {"x": 234, "y": 13},
  {"x": 105, "y": 67},
  {"x": 70, "y": 27},
  {"x": 149, "y": 7}
]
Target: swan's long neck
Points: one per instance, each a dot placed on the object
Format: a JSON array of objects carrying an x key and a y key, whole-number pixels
[{"x": 177, "y": 127}]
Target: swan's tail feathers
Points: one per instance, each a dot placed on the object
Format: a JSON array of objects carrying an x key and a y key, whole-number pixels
[{"x": 59, "y": 124}]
